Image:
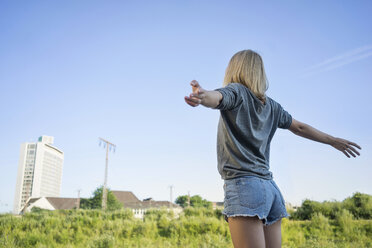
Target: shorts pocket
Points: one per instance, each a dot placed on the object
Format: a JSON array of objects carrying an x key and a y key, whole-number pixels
[{"x": 251, "y": 192}]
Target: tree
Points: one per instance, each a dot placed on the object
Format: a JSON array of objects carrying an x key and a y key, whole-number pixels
[
  {"x": 95, "y": 202},
  {"x": 307, "y": 209},
  {"x": 360, "y": 205},
  {"x": 195, "y": 201},
  {"x": 182, "y": 201}
]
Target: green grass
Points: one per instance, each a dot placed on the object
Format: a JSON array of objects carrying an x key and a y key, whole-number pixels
[{"x": 194, "y": 228}]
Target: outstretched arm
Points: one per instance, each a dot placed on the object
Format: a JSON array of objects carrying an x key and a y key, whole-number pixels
[
  {"x": 307, "y": 131},
  {"x": 210, "y": 99}
]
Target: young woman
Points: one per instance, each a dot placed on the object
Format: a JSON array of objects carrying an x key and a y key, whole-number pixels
[{"x": 253, "y": 204}]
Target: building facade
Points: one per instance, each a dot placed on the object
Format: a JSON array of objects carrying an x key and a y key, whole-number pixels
[
  {"x": 139, "y": 208},
  {"x": 127, "y": 198},
  {"x": 39, "y": 171},
  {"x": 50, "y": 203}
]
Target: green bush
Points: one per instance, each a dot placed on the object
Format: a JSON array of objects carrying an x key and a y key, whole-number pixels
[
  {"x": 195, "y": 227},
  {"x": 95, "y": 202},
  {"x": 320, "y": 228},
  {"x": 360, "y": 205},
  {"x": 104, "y": 241},
  {"x": 345, "y": 222},
  {"x": 195, "y": 201}
]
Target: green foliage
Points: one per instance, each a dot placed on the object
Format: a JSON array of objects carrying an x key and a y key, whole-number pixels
[
  {"x": 307, "y": 209},
  {"x": 359, "y": 205},
  {"x": 194, "y": 227},
  {"x": 103, "y": 241},
  {"x": 38, "y": 210},
  {"x": 195, "y": 201},
  {"x": 319, "y": 228},
  {"x": 345, "y": 221},
  {"x": 95, "y": 202}
]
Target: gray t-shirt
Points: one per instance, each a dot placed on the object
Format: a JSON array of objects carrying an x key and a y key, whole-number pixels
[{"x": 245, "y": 130}]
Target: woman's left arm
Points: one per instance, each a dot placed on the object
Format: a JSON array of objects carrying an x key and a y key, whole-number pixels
[{"x": 307, "y": 131}]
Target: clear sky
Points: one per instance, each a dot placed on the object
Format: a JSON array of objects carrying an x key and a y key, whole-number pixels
[{"x": 79, "y": 70}]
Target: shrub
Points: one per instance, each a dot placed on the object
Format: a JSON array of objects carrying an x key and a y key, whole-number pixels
[
  {"x": 320, "y": 227},
  {"x": 360, "y": 205},
  {"x": 344, "y": 219},
  {"x": 104, "y": 241},
  {"x": 307, "y": 209}
]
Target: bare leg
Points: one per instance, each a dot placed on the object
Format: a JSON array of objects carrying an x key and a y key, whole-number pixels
[
  {"x": 273, "y": 235},
  {"x": 247, "y": 232}
]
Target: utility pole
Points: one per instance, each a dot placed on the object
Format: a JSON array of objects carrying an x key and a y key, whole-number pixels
[
  {"x": 108, "y": 146},
  {"x": 171, "y": 196},
  {"x": 78, "y": 200},
  {"x": 188, "y": 198}
]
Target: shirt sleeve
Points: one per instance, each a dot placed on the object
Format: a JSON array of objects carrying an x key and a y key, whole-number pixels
[
  {"x": 231, "y": 96},
  {"x": 285, "y": 119}
]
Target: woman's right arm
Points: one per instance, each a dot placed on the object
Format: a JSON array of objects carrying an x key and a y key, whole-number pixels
[
  {"x": 307, "y": 131},
  {"x": 209, "y": 99}
]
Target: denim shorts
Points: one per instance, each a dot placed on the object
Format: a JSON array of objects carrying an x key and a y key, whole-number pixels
[{"x": 253, "y": 196}]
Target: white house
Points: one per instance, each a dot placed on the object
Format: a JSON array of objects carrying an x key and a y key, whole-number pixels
[
  {"x": 139, "y": 208},
  {"x": 127, "y": 198},
  {"x": 50, "y": 203}
]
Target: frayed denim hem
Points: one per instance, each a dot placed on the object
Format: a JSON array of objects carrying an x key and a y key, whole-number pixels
[
  {"x": 264, "y": 219},
  {"x": 280, "y": 217}
]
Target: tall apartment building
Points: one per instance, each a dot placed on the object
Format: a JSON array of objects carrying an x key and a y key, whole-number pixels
[{"x": 39, "y": 171}]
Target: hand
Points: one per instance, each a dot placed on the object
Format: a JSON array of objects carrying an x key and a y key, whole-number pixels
[
  {"x": 345, "y": 146},
  {"x": 197, "y": 95}
]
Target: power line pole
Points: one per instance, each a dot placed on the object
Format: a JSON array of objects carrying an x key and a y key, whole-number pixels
[
  {"x": 188, "y": 198},
  {"x": 78, "y": 200},
  {"x": 171, "y": 196},
  {"x": 108, "y": 146}
]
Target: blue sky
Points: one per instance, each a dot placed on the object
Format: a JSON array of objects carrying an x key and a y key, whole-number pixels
[{"x": 120, "y": 69}]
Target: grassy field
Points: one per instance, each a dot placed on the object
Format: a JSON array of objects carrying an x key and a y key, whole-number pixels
[{"x": 199, "y": 227}]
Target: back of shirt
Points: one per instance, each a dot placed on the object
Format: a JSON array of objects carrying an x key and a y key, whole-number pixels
[{"x": 245, "y": 130}]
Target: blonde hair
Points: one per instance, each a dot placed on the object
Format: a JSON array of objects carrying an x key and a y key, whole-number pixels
[{"x": 246, "y": 67}]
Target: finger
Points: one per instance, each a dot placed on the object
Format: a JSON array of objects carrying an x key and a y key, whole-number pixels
[
  {"x": 195, "y": 86},
  {"x": 192, "y": 103},
  {"x": 194, "y": 99},
  {"x": 347, "y": 155},
  {"x": 199, "y": 96},
  {"x": 351, "y": 153},
  {"x": 354, "y": 144},
  {"x": 195, "y": 83},
  {"x": 353, "y": 149}
]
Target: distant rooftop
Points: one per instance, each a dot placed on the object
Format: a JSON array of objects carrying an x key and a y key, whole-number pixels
[
  {"x": 129, "y": 200},
  {"x": 125, "y": 196}
]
